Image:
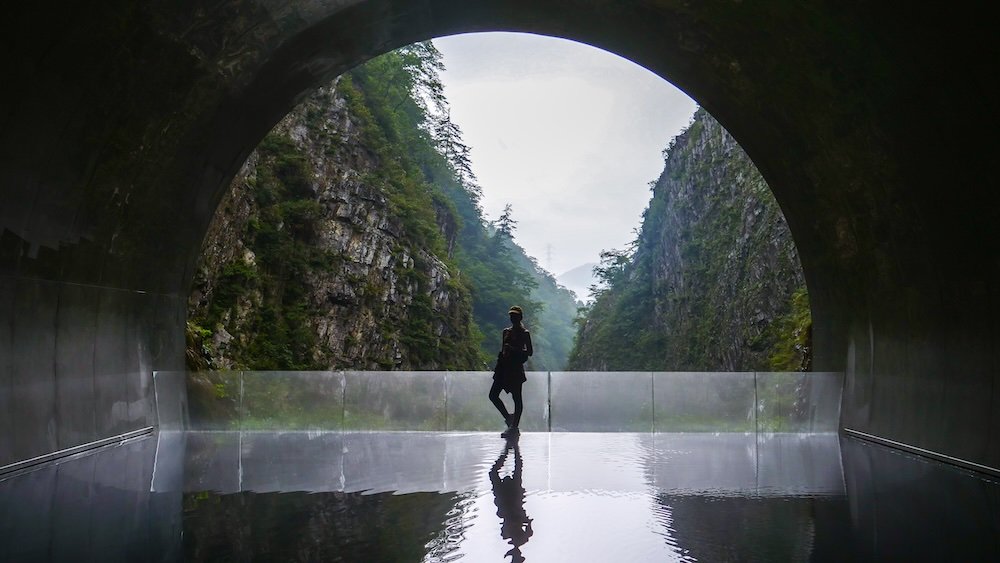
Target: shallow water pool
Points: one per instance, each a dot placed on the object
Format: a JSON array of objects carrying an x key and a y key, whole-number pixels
[{"x": 421, "y": 496}]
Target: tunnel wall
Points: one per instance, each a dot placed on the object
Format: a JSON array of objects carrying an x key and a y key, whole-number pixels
[
  {"x": 77, "y": 362},
  {"x": 122, "y": 124}
]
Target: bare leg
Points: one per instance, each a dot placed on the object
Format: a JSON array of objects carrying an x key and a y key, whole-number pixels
[
  {"x": 518, "y": 407},
  {"x": 495, "y": 399}
]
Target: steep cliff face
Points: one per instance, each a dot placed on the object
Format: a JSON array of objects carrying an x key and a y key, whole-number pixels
[
  {"x": 713, "y": 281},
  {"x": 311, "y": 264},
  {"x": 353, "y": 237}
]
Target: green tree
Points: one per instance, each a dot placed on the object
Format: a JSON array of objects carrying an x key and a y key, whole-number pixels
[
  {"x": 708, "y": 282},
  {"x": 424, "y": 170}
]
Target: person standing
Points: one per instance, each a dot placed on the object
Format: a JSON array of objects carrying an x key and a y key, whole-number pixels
[{"x": 508, "y": 375}]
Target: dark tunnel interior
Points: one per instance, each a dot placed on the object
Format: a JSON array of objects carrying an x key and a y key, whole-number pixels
[{"x": 123, "y": 123}]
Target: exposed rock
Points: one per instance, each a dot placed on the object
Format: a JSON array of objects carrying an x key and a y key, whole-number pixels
[
  {"x": 361, "y": 295},
  {"x": 713, "y": 272}
]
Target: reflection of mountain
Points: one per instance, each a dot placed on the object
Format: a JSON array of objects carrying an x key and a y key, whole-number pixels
[
  {"x": 329, "y": 526},
  {"x": 759, "y": 529},
  {"x": 578, "y": 280}
]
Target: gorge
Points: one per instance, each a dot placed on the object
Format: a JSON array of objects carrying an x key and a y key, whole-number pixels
[
  {"x": 352, "y": 238},
  {"x": 713, "y": 280}
]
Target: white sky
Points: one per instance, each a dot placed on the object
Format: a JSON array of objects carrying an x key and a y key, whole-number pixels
[{"x": 570, "y": 135}]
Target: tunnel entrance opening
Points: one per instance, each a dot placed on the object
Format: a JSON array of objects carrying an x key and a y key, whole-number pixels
[
  {"x": 125, "y": 122},
  {"x": 108, "y": 191},
  {"x": 318, "y": 251}
]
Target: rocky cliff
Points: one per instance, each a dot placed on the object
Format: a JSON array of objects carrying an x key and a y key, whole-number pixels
[
  {"x": 713, "y": 281},
  {"x": 311, "y": 263},
  {"x": 353, "y": 238}
]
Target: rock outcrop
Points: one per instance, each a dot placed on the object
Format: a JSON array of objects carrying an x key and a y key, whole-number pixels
[
  {"x": 711, "y": 281},
  {"x": 309, "y": 265}
]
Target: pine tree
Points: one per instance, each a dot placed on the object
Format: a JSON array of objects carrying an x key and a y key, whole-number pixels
[
  {"x": 505, "y": 224},
  {"x": 448, "y": 139}
]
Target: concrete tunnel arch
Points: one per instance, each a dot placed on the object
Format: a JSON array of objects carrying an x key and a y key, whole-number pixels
[{"x": 123, "y": 124}]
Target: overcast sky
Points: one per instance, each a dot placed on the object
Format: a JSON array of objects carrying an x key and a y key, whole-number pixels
[{"x": 568, "y": 134}]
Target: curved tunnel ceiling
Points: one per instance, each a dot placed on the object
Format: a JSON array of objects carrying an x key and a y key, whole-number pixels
[{"x": 123, "y": 124}]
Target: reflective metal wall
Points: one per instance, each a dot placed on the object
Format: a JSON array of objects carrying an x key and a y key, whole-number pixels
[
  {"x": 95, "y": 507},
  {"x": 76, "y": 363},
  {"x": 907, "y": 507}
]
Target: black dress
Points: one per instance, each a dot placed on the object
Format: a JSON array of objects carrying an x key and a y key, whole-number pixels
[{"x": 509, "y": 371}]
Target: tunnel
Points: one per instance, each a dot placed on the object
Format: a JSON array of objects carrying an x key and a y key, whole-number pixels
[{"x": 124, "y": 122}]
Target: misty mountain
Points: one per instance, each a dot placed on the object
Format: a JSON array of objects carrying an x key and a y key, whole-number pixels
[{"x": 578, "y": 280}]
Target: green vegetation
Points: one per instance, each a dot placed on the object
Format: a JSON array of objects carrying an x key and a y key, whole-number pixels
[
  {"x": 405, "y": 93},
  {"x": 316, "y": 526},
  {"x": 618, "y": 330},
  {"x": 403, "y": 146},
  {"x": 793, "y": 336},
  {"x": 712, "y": 281},
  {"x": 768, "y": 402}
]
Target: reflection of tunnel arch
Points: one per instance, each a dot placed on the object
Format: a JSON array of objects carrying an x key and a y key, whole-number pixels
[{"x": 122, "y": 126}]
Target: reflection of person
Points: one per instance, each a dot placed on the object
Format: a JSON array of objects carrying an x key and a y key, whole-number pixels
[
  {"x": 508, "y": 494},
  {"x": 509, "y": 372}
]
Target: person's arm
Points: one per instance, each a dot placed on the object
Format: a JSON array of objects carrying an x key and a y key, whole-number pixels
[
  {"x": 527, "y": 345},
  {"x": 504, "y": 345}
]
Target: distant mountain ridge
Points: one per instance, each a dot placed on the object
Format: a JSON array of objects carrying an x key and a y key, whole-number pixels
[{"x": 578, "y": 280}]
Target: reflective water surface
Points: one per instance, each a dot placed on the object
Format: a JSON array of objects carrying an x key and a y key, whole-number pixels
[{"x": 425, "y": 496}]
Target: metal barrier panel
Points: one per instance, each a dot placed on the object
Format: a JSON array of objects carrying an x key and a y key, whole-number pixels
[
  {"x": 170, "y": 393},
  {"x": 214, "y": 401},
  {"x": 798, "y": 401},
  {"x": 469, "y": 407},
  {"x": 293, "y": 400},
  {"x": 584, "y": 401},
  {"x": 704, "y": 402},
  {"x": 394, "y": 400},
  {"x": 561, "y": 401}
]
